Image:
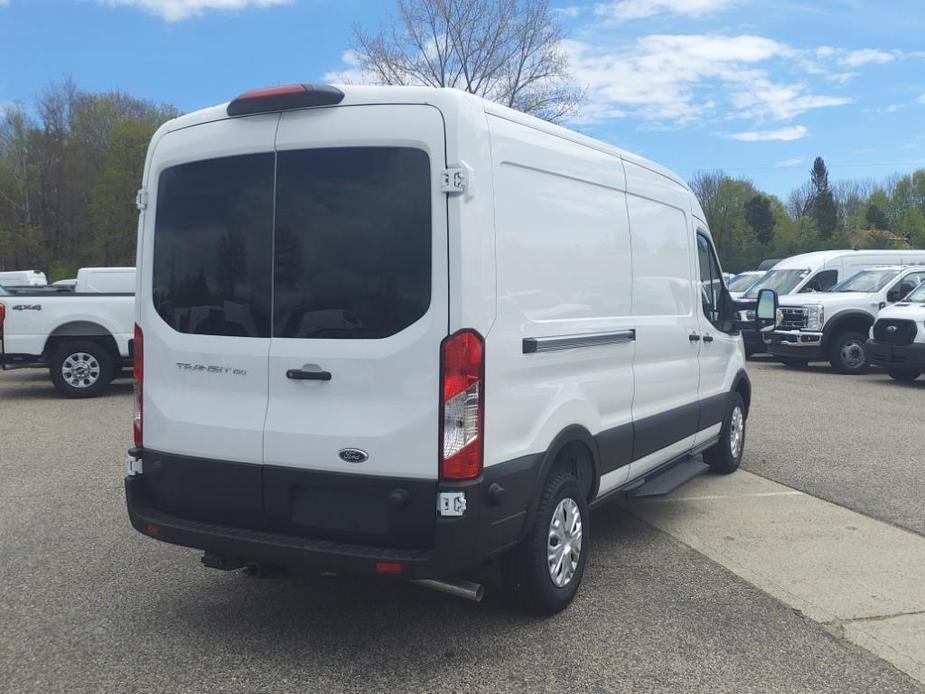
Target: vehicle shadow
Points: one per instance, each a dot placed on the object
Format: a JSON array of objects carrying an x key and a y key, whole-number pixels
[{"x": 34, "y": 384}]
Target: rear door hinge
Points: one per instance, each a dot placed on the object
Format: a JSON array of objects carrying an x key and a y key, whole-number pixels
[
  {"x": 454, "y": 181},
  {"x": 141, "y": 199}
]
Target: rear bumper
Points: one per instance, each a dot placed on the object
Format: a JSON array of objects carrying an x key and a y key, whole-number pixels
[
  {"x": 796, "y": 343},
  {"x": 897, "y": 356},
  {"x": 445, "y": 547}
]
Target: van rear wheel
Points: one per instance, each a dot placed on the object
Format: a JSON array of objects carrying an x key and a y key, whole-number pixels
[
  {"x": 550, "y": 562},
  {"x": 81, "y": 368}
]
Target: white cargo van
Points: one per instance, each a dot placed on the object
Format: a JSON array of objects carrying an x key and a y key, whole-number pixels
[
  {"x": 405, "y": 331},
  {"x": 23, "y": 278},
  {"x": 105, "y": 280}
]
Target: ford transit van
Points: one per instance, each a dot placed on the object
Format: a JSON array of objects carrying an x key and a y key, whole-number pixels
[{"x": 405, "y": 331}]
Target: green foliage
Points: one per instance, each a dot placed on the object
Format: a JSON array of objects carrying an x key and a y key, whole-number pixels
[
  {"x": 876, "y": 217},
  {"x": 760, "y": 218},
  {"x": 68, "y": 179}
]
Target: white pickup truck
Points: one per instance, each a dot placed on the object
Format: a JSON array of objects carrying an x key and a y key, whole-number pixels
[
  {"x": 897, "y": 340},
  {"x": 84, "y": 338},
  {"x": 833, "y": 326}
]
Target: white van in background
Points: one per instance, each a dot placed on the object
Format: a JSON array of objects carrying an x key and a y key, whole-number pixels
[
  {"x": 105, "y": 280},
  {"x": 403, "y": 331},
  {"x": 22, "y": 278}
]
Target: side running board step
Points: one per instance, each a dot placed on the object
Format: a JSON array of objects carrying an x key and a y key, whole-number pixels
[{"x": 666, "y": 482}]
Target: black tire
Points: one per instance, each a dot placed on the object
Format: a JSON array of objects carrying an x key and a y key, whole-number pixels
[
  {"x": 844, "y": 350},
  {"x": 904, "y": 375},
  {"x": 726, "y": 456},
  {"x": 793, "y": 362},
  {"x": 81, "y": 368},
  {"x": 531, "y": 572}
]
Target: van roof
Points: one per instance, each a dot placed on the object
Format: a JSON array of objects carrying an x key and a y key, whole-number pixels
[
  {"x": 816, "y": 258},
  {"x": 443, "y": 98}
]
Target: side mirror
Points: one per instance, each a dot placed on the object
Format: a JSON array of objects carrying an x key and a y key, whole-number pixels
[{"x": 766, "y": 311}]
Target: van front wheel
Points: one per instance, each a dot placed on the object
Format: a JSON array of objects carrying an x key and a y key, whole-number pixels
[
  {"x": 550, "y": 562},
  {"x": 726, "y": 455}
]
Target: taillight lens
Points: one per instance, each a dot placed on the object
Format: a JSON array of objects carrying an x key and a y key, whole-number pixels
[
  {"x": 2, "y": 318},
  {"x": 139, "y": 373},
  {"x": 462, "y": 415}
]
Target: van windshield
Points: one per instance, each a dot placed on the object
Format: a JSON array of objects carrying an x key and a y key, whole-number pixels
[
  {"x": 781, "y": 281},
  {"x": 740, "y": 283},
  {"x": 917, "y": 296},
  {"x": 866, "y": 281}
]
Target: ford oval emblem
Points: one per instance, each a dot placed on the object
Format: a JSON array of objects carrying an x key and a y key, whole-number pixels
[
  {"x": 353, "y": 455},
  {"x": 892, "y": 329}
]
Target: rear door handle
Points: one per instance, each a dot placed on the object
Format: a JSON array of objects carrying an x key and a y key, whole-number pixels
[
  {"x": 694, "y": 337},
  {"x": 708, "y": 338},
  {"x": 303, "y": 375}
]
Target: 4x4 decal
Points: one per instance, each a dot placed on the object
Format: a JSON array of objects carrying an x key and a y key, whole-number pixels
[{"x": 27, "y": 307}]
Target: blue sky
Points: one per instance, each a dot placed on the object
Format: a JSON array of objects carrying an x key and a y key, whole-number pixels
[{"x": 755, "y": 87}]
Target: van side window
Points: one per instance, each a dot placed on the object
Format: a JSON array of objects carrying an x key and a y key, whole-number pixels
[
  {"x": 822, "y": 282},
  {"x": 212, "y": 246},
  {"x": 353, "y": 242},
  {"x": 711, "y": 279}
]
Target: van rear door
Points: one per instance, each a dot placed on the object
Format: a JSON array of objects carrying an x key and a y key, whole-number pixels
[
  {"x": 204, "y": 297},
  {"x": 360, "y": 298}
]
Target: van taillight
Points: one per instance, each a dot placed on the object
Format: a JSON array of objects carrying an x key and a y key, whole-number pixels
[
  {"x": 139, "y": 373},
  {"x": 462, "y": 409},
  {"x": 2, "y": 319}
]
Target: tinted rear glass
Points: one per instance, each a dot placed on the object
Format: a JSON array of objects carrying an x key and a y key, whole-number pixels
[
  {"x": 353, "y": 242},
  {"x": 213, "y": 246}
]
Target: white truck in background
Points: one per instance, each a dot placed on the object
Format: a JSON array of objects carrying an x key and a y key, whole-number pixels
[{"x": 83, "y": 337}]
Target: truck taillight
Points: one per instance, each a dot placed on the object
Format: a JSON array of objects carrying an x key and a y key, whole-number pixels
[
  {"x": 2, "y": 318},
  {"x": 462, "y": 405},
  {"x": 139, "y": 373}
]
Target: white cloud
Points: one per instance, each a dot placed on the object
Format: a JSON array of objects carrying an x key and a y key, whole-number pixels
[
  {"x": 788, "y": 163},
  {"x": 177, "y": 10},
  {"x": 625, "y": 10},
  {"x": 351, "y": 73},
  {"x": 866, "y": 56},
  {"x": 795, "y": 132},
  {"x": 682, "y": 78},
  {"x": 571, "y": 11},
  {"x": 921, "y": 100}
]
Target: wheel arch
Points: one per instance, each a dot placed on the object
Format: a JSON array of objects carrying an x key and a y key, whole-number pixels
[
  {"x": 572, "y": 435},
  {"x": 81, "y": 330},
  {"x": 742, "y": 385},
  {"x": 846, "y": 320}
]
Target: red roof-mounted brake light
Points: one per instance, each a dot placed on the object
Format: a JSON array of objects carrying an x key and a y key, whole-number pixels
[{"x": 284, "y": 98}]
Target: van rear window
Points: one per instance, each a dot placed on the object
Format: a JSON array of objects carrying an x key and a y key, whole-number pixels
[
  {"x": 353, "y": 242},
  {"x": 349, "y": 256},
  {"x": 212, "y": 246}
]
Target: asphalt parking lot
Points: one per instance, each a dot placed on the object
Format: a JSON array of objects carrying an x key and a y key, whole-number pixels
[{"x": 88, "y": 605}]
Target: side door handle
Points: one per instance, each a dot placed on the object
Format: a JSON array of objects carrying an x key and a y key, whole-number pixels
[
  {"x": 303, "y": 375},
  {"x": 708, "y": 338},
  {"x": 694, "y": 337}
]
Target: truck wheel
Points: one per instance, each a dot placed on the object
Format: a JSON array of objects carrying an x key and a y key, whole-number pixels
[
  {"x": 81, "y": 369},
  {"x": 726, "y": 455},
  {"x": 849, "y": 353},
  {"x": 905, "y": 375},
  {"x": 550, "y": 562}
]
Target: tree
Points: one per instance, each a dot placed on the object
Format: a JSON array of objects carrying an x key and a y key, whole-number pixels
[
  {"x": 760, "y": 218},
  {"x": 876, "y": 217},
  {"x": 508, "y": 51},
  {"x": 823, "y": 208}
]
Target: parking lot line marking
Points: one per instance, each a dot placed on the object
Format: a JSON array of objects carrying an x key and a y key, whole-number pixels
[
  {"x": 714, "y": 497},
  {"x": 832, "y": 564}
]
